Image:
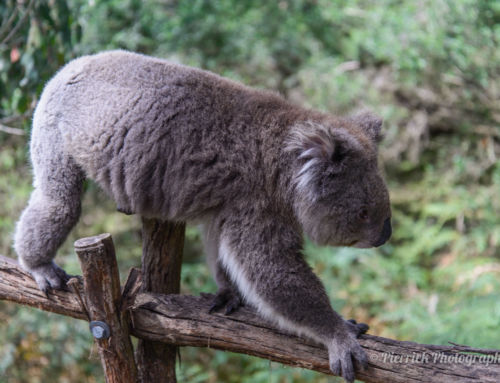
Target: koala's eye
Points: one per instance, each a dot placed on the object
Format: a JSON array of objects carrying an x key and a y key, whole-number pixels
[{"x": 363, "y": 214}]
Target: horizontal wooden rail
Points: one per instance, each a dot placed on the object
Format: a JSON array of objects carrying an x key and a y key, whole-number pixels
[{"x": 184, "y": 320}]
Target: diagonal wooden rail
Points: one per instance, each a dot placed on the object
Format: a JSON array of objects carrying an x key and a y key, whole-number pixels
[{"x": 183, "y": 320}]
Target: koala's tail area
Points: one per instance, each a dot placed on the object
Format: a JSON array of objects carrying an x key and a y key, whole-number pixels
[{"x": 55, "y": 203}]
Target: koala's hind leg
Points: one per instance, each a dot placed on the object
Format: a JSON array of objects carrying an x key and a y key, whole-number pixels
[
  {"x": 53, "y": 209},
  {"x": 227, "y": 295}
]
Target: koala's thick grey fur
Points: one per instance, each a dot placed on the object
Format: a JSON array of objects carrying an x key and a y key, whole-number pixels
[{"x": 182, "y": 144}]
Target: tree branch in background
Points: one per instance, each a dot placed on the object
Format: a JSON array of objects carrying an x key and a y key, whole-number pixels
[
  {"x": 18, "y": 25},
  {"x": 4, "y": 122},
  {"x": 9, "y": 130},
  {"x": 7, "y": 24}
]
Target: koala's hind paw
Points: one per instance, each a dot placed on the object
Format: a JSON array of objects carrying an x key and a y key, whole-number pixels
[
  {"x": 49, "y": 276},
  {"x": 343, "y": 351},
  {"x": 226, "y": 298}
]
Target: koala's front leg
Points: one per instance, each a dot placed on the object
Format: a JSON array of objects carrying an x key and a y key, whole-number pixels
[{"x": 262, "y": 256}]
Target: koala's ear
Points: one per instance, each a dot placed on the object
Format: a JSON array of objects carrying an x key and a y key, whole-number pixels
[
  {"x": 370, "y": 123},
  {"x": 341, "y": 148},
  {"x": 311, "y": 141}
]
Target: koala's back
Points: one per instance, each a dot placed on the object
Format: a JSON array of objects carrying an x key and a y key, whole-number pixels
[{"x": 162, "y": 139}]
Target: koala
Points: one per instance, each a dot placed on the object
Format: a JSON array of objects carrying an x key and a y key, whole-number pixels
[{"x": 257, "y": 172}]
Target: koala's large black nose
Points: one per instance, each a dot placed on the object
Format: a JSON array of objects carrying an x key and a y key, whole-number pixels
[{"x": 386, "y": 233}]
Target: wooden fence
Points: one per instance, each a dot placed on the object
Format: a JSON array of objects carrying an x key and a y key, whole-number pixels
[{"x": 150, "y": 308}]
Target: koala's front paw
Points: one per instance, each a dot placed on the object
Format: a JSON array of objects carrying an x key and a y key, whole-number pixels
[
  {"x": 344, "y": 349},
  {"x": 357, "y": 328},
  {"x": 227, "y": 298},
  {"x": 49, "y": 276}
]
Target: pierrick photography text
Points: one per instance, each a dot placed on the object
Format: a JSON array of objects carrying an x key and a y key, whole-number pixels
[{"x": 439, "y": 357}]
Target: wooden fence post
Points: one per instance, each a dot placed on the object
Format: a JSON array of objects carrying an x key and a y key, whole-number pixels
[
  {"x": 108, "y": 323},
  {"x": 162, "y": 247}
]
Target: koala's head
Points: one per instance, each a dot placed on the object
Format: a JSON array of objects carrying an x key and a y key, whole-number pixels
[{"x": 340, "y": 197}]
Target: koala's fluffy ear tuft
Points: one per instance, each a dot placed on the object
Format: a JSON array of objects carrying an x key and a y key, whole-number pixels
[
  {"x": 315, "y": 141},
  {"x": 310, "y": 140},
  {"x": 370, "y": 123}
]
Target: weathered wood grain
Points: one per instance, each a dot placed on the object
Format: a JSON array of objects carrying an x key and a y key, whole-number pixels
[
  {"x": 103, "y": 303},
  {"x": 16, "y": 285},
  {"x": 183, "y": 320},
  {"x": 162, "y": 247}
]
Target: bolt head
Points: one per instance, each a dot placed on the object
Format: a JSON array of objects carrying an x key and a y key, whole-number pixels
[{"x": 99, "y": 329}]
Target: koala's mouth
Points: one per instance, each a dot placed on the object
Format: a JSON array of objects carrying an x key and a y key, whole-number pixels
[
  {"x": 361, "y": 245},
  {"x": 384, "y": 236}
]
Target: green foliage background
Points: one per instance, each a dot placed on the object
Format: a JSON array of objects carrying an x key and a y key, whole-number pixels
[{"x": 430, "y": 68}]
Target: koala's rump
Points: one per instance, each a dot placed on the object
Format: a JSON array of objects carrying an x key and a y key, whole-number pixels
[{"x": 156, "y": 137}]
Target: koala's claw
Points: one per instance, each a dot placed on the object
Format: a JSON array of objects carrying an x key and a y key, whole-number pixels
[
  {"x": 124, "y": 210},
  {"x": 226, "y": 298},
  {"x": 344, "y": 351},
  {"x": 49, "y": 276},
  {"x": 357, "y": 328}
]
